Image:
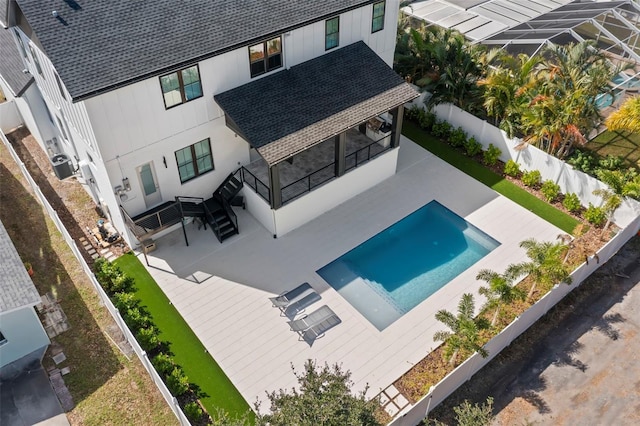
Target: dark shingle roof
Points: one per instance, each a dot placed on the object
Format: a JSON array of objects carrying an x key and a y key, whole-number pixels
[
  {"x": 294, "y": 109},
  {"x": 11, "y": 65},
  {"x": 16, "y": 288},
  {"x": 98, "y": 45}
]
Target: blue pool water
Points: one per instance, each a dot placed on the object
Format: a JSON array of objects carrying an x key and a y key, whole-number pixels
[{"x": 392, "y": 272}]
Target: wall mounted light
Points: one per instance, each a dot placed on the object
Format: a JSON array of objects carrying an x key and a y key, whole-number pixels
[{"x": 126, "y": 184}]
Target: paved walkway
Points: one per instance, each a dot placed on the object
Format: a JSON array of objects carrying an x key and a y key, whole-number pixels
[{"x": 222, "y": 290}]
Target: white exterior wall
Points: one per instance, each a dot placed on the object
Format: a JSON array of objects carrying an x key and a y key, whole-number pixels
[
  {"x": 132, "y": 126},
  {"x": 24, "y": 334}
]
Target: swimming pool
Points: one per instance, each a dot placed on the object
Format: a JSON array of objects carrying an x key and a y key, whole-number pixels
[{"x": 392, "y": 272}]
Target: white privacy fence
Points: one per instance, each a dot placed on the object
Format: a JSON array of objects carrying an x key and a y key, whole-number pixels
[
  {"x": 171, "y": 400},
  {"x": 9, "y": 115},
  {"x": 414, "y": 414},
  {"x": 532, "y": 158},
  {"x": 627, "y": 217}
]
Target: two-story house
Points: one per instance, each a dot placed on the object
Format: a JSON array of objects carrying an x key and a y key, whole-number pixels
[{"x": 160, "y": 99}]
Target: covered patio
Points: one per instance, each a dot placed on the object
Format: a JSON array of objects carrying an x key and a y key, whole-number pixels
[{"x": 316, "y": 121}]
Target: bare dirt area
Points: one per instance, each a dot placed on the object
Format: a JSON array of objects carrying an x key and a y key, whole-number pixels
[
  {"x": 72, "y": 203},
  {"x": 107, "y": 387},
  {"x": 578, "y": 365}
]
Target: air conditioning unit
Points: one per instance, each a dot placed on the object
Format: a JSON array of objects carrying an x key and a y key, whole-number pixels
[{"x": 62, "y": 166}]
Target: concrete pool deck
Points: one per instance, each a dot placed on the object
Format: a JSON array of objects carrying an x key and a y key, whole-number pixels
[{"x": 222, "y": 290}]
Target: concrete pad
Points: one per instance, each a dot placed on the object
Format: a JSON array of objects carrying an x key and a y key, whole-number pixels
[{"x": 29, "y": 399}]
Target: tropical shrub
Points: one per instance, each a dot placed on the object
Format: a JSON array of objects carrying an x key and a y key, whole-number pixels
[
  {"x": 491, "y": 155},
  {"x": 177, "y": 382},
  {"x": 112, "y": 279},
  {"x": 458, "y": 137},
  {"x": 148, "y": 338},
  {"x": 193, "y": 411},
  {"x": 550, "y": 190},
  {"x": 595, "y": 215},
  {"x": 468, "y": 414},
  {"x": 413, "y": 113},
  {"x": 441, "y": 129},
  {"x": 531, "y": 178},
  {"x": 611, "y": 162},
  {"x": 473, "y": 147},
  {"x": 163, "y": 363},
  {"x": 511, "y": 168},
  {"x": 426, "y": 119},
  {"x": 584, "y": 161},
  {"x": 571, "y": 202},
  {"x": 136, "y": 317}
]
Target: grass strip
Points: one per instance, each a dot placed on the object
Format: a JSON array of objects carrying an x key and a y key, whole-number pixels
[
  {"x": 188, "y": 351},
  {"x": 489, "y": 178}
]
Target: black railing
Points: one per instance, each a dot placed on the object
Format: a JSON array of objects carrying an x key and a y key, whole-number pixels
[
  {"x": 367, "y": 153},
  {"x": 153, "y": 222},
  {"x": 307, "y": 183},
  {"x": 230, "y": 213},
  {"x": 256, "y": 184}
]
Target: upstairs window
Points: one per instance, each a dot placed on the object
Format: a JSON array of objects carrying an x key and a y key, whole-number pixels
[
  {"x": 377, "y": 21},
  {"x": 21, "y": 44},
  {"x": 331, "y": 33},
  {"x": 35, "y": 60},
  {"x": 194, "y": 160},
  {"x": 265, "y": 56},
  {"x": 181, "y": 86}
]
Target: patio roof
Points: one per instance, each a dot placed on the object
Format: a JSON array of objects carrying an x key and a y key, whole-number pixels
[{"x": 287, "y": 112}]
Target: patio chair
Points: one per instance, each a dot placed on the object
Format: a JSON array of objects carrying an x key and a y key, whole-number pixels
[
  {"x": 299, "y": 305},
  {"x": 284, "y": 299},
  {"x": 313, "y": 325}
]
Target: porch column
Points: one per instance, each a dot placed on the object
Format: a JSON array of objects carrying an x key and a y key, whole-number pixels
[
  {"x": 396, "y": 125},
  {"x": 340, "y": 142},
  {"x": 275, "y": 192}
]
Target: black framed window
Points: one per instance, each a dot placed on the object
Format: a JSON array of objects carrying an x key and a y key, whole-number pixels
[
  {"x": 265, "y": 56},
  {"x": 35, "y": 60},
  {"x": 21, "y": 44},
  {"x": 3, "y": 339},
  {"x": 331, "y": 33},
  {"x": 377, "y": 21},
  {"x": 194, "y": 160},
  {"x": 60, "y": 87},
  {"x": 181, "y": 86}
]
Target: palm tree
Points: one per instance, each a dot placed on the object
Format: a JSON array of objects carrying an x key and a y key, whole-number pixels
[
  {"x": 465, "y": 330},
  {"x": 626, "y": 118},
  {"x": 507, "y": 87},
  {"x": 564, "y": 109},
  {"x": 620, "y": 186},
  {"x": 500, "y": 291},
  {"x": 545, "y": 265}
]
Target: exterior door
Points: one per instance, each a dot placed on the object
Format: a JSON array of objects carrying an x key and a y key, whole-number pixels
[{"x": 149, "y": 184}]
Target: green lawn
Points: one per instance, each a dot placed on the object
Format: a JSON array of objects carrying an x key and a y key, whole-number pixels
[
  {"x": 489, "y": 178},
  {"x": 625, "y": 145},
  {"x": 189, "y": 352}
]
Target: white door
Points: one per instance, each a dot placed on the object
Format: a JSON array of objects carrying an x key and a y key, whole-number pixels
[{"x": 149, "y": 183}]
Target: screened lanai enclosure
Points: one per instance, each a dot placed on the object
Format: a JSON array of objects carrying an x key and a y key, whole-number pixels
[{"x": 526, "y": 26}]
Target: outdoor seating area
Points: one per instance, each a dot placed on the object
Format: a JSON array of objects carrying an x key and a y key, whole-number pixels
[{"x": 312, "y": 326}]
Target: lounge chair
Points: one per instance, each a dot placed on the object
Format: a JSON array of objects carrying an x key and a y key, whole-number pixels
[
  {"x": 284, "y": 299},
  {"x": 299, "y": 305},
  {"x": 313, "y": 325}
]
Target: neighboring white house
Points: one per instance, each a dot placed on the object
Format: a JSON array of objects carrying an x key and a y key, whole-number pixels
[
  {"x": 23, "y": 340},
  {"x": 166, "y": 98}
]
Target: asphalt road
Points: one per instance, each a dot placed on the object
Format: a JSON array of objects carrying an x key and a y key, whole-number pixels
[{"x": 579, "y": 366}]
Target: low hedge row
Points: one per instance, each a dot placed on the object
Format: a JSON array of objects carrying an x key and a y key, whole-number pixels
[
  {"x": 121, "y": 290},
  {"x": 458, "y": 138}
]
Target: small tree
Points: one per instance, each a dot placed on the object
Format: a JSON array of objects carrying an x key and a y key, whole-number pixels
[
  {"x": 468, "y": 414},
  {"x": 465, "y": 330},
  {"x": 500, "y": 291},
  {"x": 324, "y": 399},
  {"x": 545, "y": 265}
]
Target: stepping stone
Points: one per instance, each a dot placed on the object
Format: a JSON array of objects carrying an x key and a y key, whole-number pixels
[
  {"x": 59, "y": 358},
  {"x": 95, "y": 256},
  {"x": 87, "y": 246},
  {"x": 91, "y": 251},
  {"x": 392, "y": 391},
  {"x": 392, "y": 410},
  {"x": 103, "y": 251},
  {"x": 110, "y": 256},
  {"x": 65, "y": 371},
  {"x": 401, "y": 401}
]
